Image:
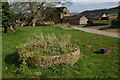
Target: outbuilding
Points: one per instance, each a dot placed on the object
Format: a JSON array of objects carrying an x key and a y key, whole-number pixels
[
  {"x": 103, "y": 17},
  {"x": 75, "y": 20}
]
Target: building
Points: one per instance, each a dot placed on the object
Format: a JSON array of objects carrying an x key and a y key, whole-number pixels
[
  {"x": 103, "y": 17},
  {"x": 53, "y": 15},
  {"x": 75, "y": 20},
  {"x": 97, "y": 16}
]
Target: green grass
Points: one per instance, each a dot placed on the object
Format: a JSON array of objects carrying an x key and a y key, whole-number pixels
[
  {"x": 107, "y": 22},
  {"x": 94, "y": 65},
  {"x": 111, "y": 27},
  {"x": 98, "y": 23},
  {"x": 112, "y": 15},
  {"x": 105, "y": 28},
  {"x": 0, "y": 52}
]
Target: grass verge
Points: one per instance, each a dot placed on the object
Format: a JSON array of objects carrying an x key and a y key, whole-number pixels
[
  {"x": 98, "y": 23},
  {"x": 111, "y": 27}
]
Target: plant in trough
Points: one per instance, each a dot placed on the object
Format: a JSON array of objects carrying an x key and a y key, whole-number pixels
[{"x": 46, "y": 45}]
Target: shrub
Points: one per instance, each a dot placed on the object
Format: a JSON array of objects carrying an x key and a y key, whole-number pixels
[
  {"x": 90, "y": 22},
  {"x": 115, "y": 23},
  {"x": 45, "y": 45}
]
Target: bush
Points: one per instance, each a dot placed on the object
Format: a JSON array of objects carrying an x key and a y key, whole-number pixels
[
  {"x": 90, "y": 22},
  {"x": 115, "y": 23},
  {"x": 45, "y": 45},
  {"x": 105, "y": 28}
]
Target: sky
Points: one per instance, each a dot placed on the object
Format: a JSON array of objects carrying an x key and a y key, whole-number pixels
[
  {"x": 95, "y": 0},
  {"x": 83, "y": 5},
  {"x": 78, "y": 7}
]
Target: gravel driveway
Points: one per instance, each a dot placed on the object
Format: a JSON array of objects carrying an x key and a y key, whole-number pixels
[{"x": 95, "y": 29}]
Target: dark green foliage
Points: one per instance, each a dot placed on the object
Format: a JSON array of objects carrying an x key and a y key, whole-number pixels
[
  {"x": 105, "y": 28},
  {"x": 6, "y": 16},
  {"x": 94, "y": 24},
  {"x": 90, "y": 22},
  {"x": 116, "y": 22},
  {"x": 97, "y": 23}
]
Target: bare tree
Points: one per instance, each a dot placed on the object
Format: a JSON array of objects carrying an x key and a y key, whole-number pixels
[{"x": 30, "y": 11}]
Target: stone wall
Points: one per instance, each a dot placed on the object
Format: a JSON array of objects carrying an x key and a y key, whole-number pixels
[
  {"x": 82, "y": 20},
  {"x": 61, "y": 25},
  {"x": 24, "y": 53},
  {"x": 71, "y": 21},
  {"x": 47, "y": 61}
]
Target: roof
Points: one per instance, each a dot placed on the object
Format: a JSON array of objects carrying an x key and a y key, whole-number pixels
[
  {"x": 72, "y": 17},
  {"x": 59, "y": 8},
  {"x": 92, "y": 16},
  {"x": 53, "y": 9}
]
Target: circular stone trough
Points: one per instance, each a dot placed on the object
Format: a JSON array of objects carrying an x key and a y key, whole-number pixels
[{"x": 47, "y": 61}]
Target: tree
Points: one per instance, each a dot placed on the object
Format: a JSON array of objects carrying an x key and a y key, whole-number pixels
[
  {"x": 7, "y": 23},
  {"x": 31, "y": 10}
]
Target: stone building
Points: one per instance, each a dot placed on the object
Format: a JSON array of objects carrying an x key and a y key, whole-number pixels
[
  {"x": 75, "y": 20},
  {"x": 54, "y": 15},
  {"x": 103, "y": 17},
  {"x": 96, "y": 16}
]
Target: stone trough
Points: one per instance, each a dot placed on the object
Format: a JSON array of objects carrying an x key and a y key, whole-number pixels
[{"x": 47, "y": 61}]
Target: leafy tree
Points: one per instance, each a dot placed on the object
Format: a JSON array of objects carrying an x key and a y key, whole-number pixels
[
  {"x": 30, "y": 11},
  {"x": 6, "y": 18}
]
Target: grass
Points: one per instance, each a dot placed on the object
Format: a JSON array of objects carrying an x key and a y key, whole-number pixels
[
  {"x": 90, "y": 64},
  {"x": 107, "y": 22},
  {"x": 105, "y": 28},
  {"x": 99, "y": 23},
  {"x": 112, "y": 15},
  {"x": 111, "y": 27},
  {"x": 0, "y": 52}
]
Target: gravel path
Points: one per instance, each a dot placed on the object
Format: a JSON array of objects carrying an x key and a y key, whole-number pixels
[{"x": 112, "y": 33}]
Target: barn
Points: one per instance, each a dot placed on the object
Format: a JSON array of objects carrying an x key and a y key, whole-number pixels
[
  {"x": 54, "y": 14},
  {"x": 103, "y": 17},
  {"x": 50, "y": 15},
  {"x": 75, "y": 19}
]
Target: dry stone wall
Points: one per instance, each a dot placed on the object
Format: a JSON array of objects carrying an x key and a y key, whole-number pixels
[{"x": 47, "y": 61}]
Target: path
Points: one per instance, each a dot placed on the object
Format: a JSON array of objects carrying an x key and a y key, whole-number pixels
[{"x": 95, "y": 29}]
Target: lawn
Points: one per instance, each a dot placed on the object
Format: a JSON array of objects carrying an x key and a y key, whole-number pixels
[
  {"x": 107, "y": 22},
  {"x": 0, "y": 52},
  {"x": 98, "y": 23},
  {"x": 90, "y": 64}
]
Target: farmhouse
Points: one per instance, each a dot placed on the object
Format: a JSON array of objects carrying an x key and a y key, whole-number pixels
[
  {"x": 75, "y": 19},
  {"x": 103, "y": 17},
  {"x": 55, "y": 14},
  {"x": 52, "y": 15}
]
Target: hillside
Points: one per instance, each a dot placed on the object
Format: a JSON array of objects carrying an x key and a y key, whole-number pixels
[{"x": 95, "y": 13}]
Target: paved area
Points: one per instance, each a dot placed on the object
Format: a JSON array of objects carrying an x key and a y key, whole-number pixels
[{"x": 110, "y": 32}]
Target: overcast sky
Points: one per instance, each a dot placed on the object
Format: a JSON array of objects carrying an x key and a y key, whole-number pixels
[
  {"x": 82, "y": 6},
  {"x": 95, "y": 0}
]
